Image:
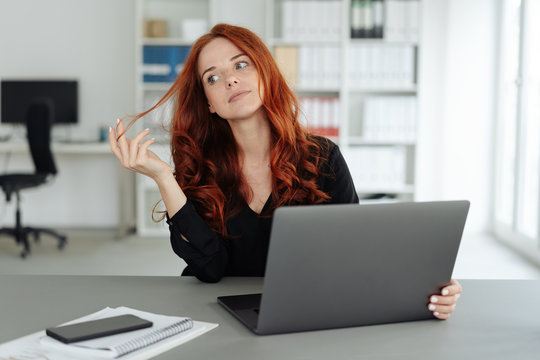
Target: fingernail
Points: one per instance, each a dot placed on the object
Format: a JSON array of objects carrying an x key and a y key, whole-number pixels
[
  {"x": 147, "y": 129},
  {"x": 436, "y": 313},
  {"x": 431, "y": 307},
  {"x": 110, "y": 128},
  {"x": 433, "y": 299},
  {"x": 117, "y": 121},
  {"x": 457, "y": 296},
  {"x": 445, "y": 292}
]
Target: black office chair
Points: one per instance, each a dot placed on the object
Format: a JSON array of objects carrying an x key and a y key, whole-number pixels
[{"x": 38, "y": 132}]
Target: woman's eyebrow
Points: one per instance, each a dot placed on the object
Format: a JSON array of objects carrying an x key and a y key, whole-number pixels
[
  {"x": 207, "y": 70},
  {"x": 237, "y": 56},
  {"x": 213, "y": 67}
]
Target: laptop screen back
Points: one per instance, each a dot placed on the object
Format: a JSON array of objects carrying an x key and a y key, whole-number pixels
[{"x": 335, "y": 266}]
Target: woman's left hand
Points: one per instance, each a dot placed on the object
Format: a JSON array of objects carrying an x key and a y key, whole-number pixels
[{"x": 444, "y": 305}]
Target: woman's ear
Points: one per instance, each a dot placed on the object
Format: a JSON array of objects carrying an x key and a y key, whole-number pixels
[{"x": 211, "y": 109}]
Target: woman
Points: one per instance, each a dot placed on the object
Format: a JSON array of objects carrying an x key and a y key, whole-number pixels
[{"x": 239, "y": 153}]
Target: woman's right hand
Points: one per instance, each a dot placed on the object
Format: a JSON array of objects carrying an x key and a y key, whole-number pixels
[{"x": 135, "y": 155}]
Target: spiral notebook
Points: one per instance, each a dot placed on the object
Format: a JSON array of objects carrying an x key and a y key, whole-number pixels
[{"x": 166, "y": 333}]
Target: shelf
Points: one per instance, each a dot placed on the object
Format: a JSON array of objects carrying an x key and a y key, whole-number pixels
[
  {"x": 360, "y": 141},
  {"x": 157, "y": 86},
  {"x": 169, "y": 50},
  {"x": 316, "y": 91},
  {"x": 166, "y": 42},
  {"x": 386, "y": 90},
  {"x": 282, "y": 42},
  {"x": 373, "y": 189},
  {"x": 368, "y": 41},
  {"x": 378, "y": 201}
]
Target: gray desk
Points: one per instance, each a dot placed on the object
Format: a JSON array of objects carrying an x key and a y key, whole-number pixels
[{"x": 495, "y": 319}]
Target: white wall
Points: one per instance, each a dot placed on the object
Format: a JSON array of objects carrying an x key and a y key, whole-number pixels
[
  {"x": 92, "y": 41},
  {"x": 457, "y": 102}
]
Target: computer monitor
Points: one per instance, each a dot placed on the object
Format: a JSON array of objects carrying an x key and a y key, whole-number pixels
[{"x": 18, "y": 95}]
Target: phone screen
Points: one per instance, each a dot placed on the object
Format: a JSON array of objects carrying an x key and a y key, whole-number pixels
[{"x": 97, "y": 328}]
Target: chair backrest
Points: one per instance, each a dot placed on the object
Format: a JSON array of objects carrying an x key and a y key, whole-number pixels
[{"x": 38, "y": 131}]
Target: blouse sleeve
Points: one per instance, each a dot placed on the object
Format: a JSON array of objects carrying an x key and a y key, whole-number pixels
[
  {"x": 336, "y": 180},
  {"x": 205, "y": 253}
]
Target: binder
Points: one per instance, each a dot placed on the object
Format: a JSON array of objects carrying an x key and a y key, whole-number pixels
[
  {"x": 160, "y": 63},
  {"x": 378, "y": 19},
  {"x": 357, "y": 19},
  {"x": 287, "y": 61},
  {"x": 310, "y": 20}
]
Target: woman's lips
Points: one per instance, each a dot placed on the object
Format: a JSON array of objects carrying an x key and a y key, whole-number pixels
[{"x": 238, "y": 95}]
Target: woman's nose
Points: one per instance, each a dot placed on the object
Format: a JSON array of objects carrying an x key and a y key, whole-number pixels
[{"x": 231, "y": 81}]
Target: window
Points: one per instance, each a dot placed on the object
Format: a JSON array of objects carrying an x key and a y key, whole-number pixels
[{"x": 517, "y": 164}]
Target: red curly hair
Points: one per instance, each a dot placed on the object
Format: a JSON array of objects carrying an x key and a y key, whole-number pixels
[{"x": 210, "y": 175}]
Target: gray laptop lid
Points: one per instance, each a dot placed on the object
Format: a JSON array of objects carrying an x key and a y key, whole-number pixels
[{"x": 347, "y": 265}]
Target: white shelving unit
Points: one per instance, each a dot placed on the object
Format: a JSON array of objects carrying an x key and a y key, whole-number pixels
[
  {"x": 381, "y": 158},
  {"x": 173, "y": 13},
  {"x": 366, "y": 90}
]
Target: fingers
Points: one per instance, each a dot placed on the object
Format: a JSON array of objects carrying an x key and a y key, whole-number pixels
[
  {"x": 129, "y": 152},
  {"x": 441, "y": 316},
  {"x": 441, "y": 309},
  {"x": 122, "y": 142},
  {"x": 142, "y": 155},
  {"x": 452, "y": 289},
  {"x": 144, "y": 146},
  {"x": 444, "y": 305},
  {"x": 134, "y": 149},
  {"x": 114, "y": 145},
  {"x": 444, "y": 300}
]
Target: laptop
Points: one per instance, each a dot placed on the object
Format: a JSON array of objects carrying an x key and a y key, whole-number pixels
[{"x": 334, "y": 266}]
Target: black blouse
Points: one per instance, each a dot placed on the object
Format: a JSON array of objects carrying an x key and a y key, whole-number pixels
[{"x": 210, "y": 257}]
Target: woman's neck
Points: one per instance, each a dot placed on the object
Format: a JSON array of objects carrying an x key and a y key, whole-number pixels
[{"x": 253, "y": 138}]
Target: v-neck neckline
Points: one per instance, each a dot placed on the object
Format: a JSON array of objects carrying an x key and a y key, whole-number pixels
[{"x": 266, "y": 204}]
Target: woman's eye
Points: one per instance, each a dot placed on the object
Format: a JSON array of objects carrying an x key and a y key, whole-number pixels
[
  {"x": 212, "y": 79},
  {"x": 241, "y": 65}
]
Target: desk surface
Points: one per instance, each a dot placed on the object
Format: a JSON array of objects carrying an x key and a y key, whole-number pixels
[{"x": 495, "y": 319}]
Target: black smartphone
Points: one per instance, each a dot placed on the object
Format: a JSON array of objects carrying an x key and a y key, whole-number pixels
[{"x": 97, "y": 328}]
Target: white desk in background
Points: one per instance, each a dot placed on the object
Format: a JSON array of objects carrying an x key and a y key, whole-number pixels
[
  {"x": 83, "y": 148},
  {"x": 125, "y": 178}
]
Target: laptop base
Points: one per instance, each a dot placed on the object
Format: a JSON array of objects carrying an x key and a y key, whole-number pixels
[{"x": 243, "y": 307}]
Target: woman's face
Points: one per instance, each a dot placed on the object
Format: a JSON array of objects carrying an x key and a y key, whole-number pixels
[{"x": 230, "y": 80}]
